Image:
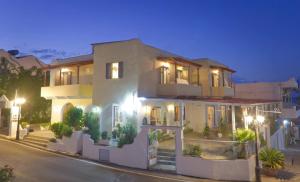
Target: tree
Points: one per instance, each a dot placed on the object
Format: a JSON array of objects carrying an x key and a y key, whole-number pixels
[{"x": 28, "y": 83}]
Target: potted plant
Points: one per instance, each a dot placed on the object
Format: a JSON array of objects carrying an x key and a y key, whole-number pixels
[{"x": 272, "y": 161}]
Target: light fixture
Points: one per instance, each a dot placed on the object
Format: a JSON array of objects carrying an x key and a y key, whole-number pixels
[
  {"x": 20, "y": 101},
  {"x": 165, "y": 64},
  {"x": 215, "y": 71},
  {"x": 64, "y": 70},
  {"x": 248, "y": 119},
  {"x": 260, "y": 119}
]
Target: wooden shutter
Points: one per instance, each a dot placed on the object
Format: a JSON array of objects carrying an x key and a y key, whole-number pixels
[
  {"x": 108, "y": 71},
  {"x": 57, "y": 78},
  {"x": 121, "y": 70}
]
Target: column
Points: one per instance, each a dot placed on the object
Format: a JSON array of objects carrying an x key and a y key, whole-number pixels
[
  {"x": 233, "y": 118},
  {"x": 78, "y": 74},
  {"x": 182, "y": 114}
]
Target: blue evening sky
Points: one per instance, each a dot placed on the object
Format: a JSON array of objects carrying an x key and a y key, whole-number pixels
[{"x": 259, "y": 39}]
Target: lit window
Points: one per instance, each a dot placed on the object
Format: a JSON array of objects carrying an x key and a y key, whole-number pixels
[
  {"x": 114, "y": 70},
  {"x": 215, "y": 78},
  {"x": 116, "y": 115}
]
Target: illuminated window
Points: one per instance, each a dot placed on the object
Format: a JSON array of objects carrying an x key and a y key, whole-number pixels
[
  {"x": 164, "y": 75},
  {"x": 114, "y": 70},
  {"x": 116, "y": 115},
  {"x": 215, "y": 78}
]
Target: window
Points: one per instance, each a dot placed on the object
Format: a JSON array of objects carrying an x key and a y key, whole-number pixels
[
  {"x": 211, "y": 116},
  {"x": 227, "y": 79},
  {"x": 63, "y": 77},
  {"x": 177, "y": 113},
  {"x": 182, "y": 75},
  {"x": 215, "y": 78},
  {"x": 114, "y": 70},
  {"x": 155, "y": 115},
  {"x": 116, "y": 116},
  {"x": 164, "y": 75},
  {"x": 223, "y": 113}
]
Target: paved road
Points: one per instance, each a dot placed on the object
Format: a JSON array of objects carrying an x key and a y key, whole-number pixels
[{"x": 32, "y": 165}]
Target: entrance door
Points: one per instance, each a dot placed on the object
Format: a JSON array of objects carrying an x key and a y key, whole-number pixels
[{"x": 211, "y": 116}]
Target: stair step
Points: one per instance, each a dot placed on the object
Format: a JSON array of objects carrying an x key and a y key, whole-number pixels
[
  {"x": 32, "y": 145},
  {"x": 166, "y": 162},
  {"x": 35, "y": 143},
  {"x": 36, "y": 139},
  {"x": 166, "y": 154},
  {"x": 165, "y": 150},
  {"x": 159, "y": 157}
]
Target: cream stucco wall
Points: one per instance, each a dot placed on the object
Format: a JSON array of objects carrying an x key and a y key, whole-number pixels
[{"x": 58, "y": 104}]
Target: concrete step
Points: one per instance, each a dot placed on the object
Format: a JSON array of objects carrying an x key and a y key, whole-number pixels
[
  {"x": 166, "y": 154},
  {"x": 38, "y": 139},
  {"x": 32, "y": 145},
  {"x": 166, "y": 162},
  {"x": 168, "y": 158},
  {"x": 166, "y": 150},
  {"x": 41, "y": 144}
]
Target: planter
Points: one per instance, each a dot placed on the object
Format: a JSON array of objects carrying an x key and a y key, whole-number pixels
[
  {"x": 220, "y": 135},
  {"x": 270, "y": 172}
]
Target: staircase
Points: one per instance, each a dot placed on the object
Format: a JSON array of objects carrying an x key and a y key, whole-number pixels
[
  {"x": 166, "y": 160},
  {"x": 35, "y": 141}
]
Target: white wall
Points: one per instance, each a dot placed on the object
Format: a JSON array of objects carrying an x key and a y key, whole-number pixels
[
  {"x": 232, "y": 170},
  {"x": 72, "y": 145}
]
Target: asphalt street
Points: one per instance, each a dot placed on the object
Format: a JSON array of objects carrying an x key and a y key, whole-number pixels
[{"x": 31, "y": 165}]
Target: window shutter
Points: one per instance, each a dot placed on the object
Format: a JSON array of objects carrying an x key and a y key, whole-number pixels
[
  {"x": 121, "y": 69},
  {"x": 57, "y": 78},
  {"x": 108, "y": 71}
]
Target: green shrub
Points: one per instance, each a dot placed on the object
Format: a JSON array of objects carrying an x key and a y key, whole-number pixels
[
  {"x": 271, "y": 158},
  {"x": 61, "y": 129},
  {"x": 66, "y": 131},
  {"x": 263, "y": 142},
  {"x": 45, "y": 125},
  {"x": 24, "y": 124},
  {"x": 244, "y": 135},
  {"x": 193, "y": 150},
  {"x": 114, "y": 134},
  {"x": 73, "y": 118},
  {"x": 152, "y": 137},
  {"x": 128, "y": 132},
  {"x": 205, "y": 132},
  {"x": 6, "y": 174},
  {"x": 56, "y": 128},
  {"x": 104, "y": 135},
  {"x": 91, "y": 121}
]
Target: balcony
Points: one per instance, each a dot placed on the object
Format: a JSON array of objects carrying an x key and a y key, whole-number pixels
[
  {"x": 222, "y": 91},
  {"x": 77, "y": 91},
  {"x": 178, "y": 90}
]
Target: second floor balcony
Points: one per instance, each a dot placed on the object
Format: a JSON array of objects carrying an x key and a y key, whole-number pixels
[{"x": 178, "y": 77}]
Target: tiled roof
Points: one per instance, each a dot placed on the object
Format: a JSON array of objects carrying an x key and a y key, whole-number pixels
[{"x": 228, "y": 100}]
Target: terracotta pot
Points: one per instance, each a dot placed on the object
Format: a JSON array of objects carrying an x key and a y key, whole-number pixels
[{"x": 270, "y": 172}]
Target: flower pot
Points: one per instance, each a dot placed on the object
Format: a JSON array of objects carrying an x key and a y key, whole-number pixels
[
  {"x": 220, "y": 135},
  {"x": 270, "y": 172}
]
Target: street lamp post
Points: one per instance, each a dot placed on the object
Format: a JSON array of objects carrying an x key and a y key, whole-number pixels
[
  {"x": 18, "y": 102},
  {"x": 257, "y": 121}
]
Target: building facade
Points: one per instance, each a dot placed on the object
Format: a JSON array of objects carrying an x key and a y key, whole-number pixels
[{"x": 129, "y": 78}]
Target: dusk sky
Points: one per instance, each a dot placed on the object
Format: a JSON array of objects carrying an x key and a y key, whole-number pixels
[{"x": 261, "y": 40}]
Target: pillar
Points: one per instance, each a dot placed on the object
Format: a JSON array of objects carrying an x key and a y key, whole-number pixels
[
  {"x": 182, "y": 114},
  {"x": 233, "y": 118}
]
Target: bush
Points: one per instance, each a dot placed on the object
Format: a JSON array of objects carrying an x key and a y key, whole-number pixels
[
  {"x": 244, "y": 135},
  {"x": 128, "y": 132},
  {"x": 61, "y": 129},
  {"x": 24, "y": 124},
  {"x": 193, "y": 150},
  {"x": 73, "y": 118},
  {"x": 6, "y": 174},
  {"x": 104, "y": 135},
  {"x": 91, "y": 121},
  {"x": 271, "y": 158}
]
